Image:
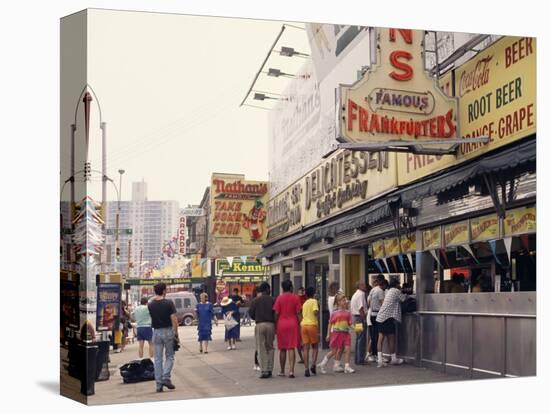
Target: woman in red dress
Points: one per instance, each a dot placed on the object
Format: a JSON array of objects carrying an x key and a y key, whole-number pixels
[{"x": 287, "y": 308}]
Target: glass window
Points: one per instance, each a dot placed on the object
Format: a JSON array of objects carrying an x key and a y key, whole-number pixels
[{"x": 178, "y": 303}]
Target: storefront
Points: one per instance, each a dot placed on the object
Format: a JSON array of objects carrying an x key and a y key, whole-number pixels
[
  {"x": 242, "y": 273},
  {"x": 460, "y": 230}
]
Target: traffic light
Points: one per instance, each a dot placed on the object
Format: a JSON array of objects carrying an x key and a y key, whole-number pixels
[{"x": 117, "y": 252}]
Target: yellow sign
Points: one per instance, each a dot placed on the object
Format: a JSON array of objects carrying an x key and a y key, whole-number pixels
[
  {"x": 484, "y": 228},
  {"x": 345, "y": 180},
  {"x": 432, "y": 238},
  {"x": 397, "y": 100},
  {"x": 238, "y": 208},
  {"x": 196, "y": 265},
  {"x": 378, "y": 249},
  {"x": 520, "y": 221},
  {"x": 391, "y": 247},
  {"x": 457, "y": 233},
  {"x": 408, "y": 243},
  {"x": 497, "y": 98}
]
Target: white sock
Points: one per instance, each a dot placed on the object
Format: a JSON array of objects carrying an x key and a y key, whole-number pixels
[
  {"x": 347, "y": 365},
  {"x": 324, "y": 361},
  {"x": 336, "y": 363},
  {"x": 393, "y": 357},
  {"x": 379, "y": 356}
]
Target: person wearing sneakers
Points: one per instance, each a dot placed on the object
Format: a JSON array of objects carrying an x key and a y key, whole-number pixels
[
  {"x": 310, "y": 331},
  {"x": 261, "y": 310},
  {"x": 388, "y": 315},
  {"x": 165, "y": 335},
  {"x": 339, "y": 336},
  {"x": 374, "y": 302}
]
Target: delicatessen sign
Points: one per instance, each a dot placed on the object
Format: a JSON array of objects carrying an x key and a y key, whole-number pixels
[
  {"x": 238, "y": 208},
  {"x": 346, "y": 179}
]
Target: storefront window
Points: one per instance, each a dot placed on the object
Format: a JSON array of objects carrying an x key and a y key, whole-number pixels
[{"x": 490, "y": 266}]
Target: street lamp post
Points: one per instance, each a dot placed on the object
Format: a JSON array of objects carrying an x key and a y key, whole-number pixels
[{"x": 117, "y": 247}]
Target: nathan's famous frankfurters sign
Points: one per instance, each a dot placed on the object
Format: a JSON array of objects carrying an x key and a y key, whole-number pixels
[
  {"x": 497, "y": 98},
  {"x": 345, "y": 180},
  {"x": 397, "y": 100},
  {"x": 238, "y": 208}
]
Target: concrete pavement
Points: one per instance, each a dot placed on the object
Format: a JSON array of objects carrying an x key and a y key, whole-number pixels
[{"x": 222, "y": 373}]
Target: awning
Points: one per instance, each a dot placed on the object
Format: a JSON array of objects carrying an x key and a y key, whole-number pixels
[
  {"x": 377, "y": 210},
  {"x": 503, "y": 160},
  {"x": 361, "y": 216}
]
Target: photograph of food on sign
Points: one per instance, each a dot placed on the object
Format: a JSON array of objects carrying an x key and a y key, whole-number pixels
[{"x": 342, "y": 206}]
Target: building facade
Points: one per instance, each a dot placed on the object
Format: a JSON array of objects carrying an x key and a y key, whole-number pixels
[{"x": 459, "y": 229}]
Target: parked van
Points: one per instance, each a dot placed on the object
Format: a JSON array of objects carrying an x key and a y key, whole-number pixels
[{"x": 186, "y": 303}]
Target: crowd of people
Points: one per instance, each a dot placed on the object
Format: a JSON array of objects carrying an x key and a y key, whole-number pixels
[{"x": 292, "y": 321}]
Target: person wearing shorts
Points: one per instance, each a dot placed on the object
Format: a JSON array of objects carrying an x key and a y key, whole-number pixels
[
  {"x": 339, "y": 336},
  {"x": 144, "y": 330},
  {"x": 388, "y": 315},
  {"x": 309, "y": 327}
]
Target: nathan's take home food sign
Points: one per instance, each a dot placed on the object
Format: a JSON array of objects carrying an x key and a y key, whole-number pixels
[
  {"x": 397, "y": 100},
  {"x": 344, "y": 180},
  {"x": 238, "y": 208},
  {"x": 497, "y": 98}
]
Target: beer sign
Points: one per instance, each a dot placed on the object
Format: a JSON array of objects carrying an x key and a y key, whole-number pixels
[{"x": 397, "y": 100}]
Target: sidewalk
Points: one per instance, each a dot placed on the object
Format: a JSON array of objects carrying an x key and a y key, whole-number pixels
[{"x": 223, "y": 373}]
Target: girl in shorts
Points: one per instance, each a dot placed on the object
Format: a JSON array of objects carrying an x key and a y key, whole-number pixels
[{"x": 339, "y": 336}]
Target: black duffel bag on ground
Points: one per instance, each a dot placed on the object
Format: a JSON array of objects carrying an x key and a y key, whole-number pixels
[{"x": 138, "y": 371}]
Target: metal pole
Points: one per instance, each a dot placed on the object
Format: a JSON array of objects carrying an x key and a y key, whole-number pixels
[
  {"x": 103, "y": 127},
  {"x": 72, "y": 208},
  {"x": 129, "y": 255}
]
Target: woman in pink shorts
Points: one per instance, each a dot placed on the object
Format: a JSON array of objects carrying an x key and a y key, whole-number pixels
[{"x": 339, "y": 336}]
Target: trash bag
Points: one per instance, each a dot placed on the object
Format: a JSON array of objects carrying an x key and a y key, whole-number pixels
[{"x": 138, "y": 371}]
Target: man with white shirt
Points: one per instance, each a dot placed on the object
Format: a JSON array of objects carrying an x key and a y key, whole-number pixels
[
  {"x": 358, "y": 309},
  {"x": 374, "y": 302}
]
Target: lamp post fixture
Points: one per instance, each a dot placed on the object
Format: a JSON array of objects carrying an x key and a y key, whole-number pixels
[{"x": 117, "y": 247}]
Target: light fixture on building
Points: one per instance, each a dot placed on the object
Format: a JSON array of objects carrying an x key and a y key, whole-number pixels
[
  {"x": 277, "y": 73},
  {"x": 290, "y": 52}
]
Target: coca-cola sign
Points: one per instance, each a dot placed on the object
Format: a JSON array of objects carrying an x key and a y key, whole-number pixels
[{"x": 475, "y": 78}]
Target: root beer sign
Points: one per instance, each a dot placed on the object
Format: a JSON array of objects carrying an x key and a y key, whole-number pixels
[
  {"x": 238, "y": 208},
  {"x": 397, "y": 100}
]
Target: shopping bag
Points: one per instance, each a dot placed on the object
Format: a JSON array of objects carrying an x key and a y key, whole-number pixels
[{"x": 229, "y": 322}]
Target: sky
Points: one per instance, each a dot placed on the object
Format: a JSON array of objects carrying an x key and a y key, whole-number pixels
[{"x": 169, "y": 87}]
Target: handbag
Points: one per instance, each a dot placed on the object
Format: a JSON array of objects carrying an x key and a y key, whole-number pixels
[
  {"x": 358, "y": 327},
  {"x": 229, "y": 322}
]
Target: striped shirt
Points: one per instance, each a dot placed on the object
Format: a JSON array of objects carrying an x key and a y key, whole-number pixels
[{"x": 340, "y": 320}]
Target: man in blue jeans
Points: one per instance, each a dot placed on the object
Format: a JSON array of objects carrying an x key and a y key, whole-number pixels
[
  {"x": 165, "y": 332},
  {"x": 358, "y": 309}
]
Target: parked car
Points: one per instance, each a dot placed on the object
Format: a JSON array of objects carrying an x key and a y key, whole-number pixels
[{"x": 185, "y": 303}]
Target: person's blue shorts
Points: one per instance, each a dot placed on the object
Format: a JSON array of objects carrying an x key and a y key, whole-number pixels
[{"x": 144, "y": 333}]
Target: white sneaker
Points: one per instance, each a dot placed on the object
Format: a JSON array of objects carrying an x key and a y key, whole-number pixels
[
  {"x": 386, "y": 359},
  {"x": 381, "y": 364},
  {"x": 229, "y": 348},
  {"x": 396, "y": 361},
  {"x": 257, "y": 368},
  {"x": 338, "y": 368},
  {"x": 322, "y": 368},
  {"x": 233, "y": 347},
  {"x": 371, "y": 358},
  {"x": 348, "y": 370}
]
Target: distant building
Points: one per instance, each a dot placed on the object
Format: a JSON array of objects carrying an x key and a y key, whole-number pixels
[{"x": 148, "y": 225}]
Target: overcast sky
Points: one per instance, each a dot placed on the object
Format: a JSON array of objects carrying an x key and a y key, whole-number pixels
[{"x": 169, "y": 87}]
